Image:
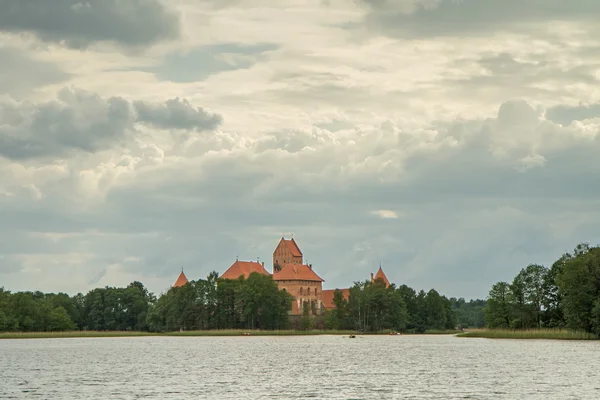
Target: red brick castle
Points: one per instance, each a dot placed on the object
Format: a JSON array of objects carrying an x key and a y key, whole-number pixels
[{"x": 291, "y": 274}]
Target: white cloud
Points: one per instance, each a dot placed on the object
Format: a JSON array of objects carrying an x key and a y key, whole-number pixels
[{"x": 385, "y": 214}]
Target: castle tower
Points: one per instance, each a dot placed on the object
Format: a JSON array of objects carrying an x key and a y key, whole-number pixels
[
  {"x": 380, "y": 276},
  {"x": 181, "y": 280},
  {"x": 286, "y": 252}
]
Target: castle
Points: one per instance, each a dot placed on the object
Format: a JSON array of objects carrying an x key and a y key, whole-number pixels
[{"x": 291, "y": 274}]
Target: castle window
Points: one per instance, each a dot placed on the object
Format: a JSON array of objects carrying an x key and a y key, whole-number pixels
[
  {"x": 309, "y": 291},
  {"x": 300, "y": 291}
]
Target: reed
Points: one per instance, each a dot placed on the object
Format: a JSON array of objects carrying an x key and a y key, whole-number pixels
[
  {"x": 441, "y": 332},
  {"x": 223, "y": 332},
  {"x": 71, "y": 334},
  {"x": 241, "y": 332},
  {"x": 555, "y": 334}
]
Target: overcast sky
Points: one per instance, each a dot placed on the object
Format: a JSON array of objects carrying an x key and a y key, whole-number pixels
[{"x": 453, "y": 141}]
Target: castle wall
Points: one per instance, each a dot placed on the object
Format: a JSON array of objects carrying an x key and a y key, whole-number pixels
[{"x": 304, "y": 291}]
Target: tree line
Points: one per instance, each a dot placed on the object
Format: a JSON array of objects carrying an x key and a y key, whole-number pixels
[
  {"x": 566, "y": 295},
  {"x": 100, "y": 309},
  {"x": 371, "y": 306},
  {"x": 212, "y": 303},
  {"x": 252, "y": 303}
]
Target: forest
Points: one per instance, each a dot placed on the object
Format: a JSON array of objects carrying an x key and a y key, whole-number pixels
[
  {"x": 252, "y": 303},
  {"x": 565, "y": 295}
]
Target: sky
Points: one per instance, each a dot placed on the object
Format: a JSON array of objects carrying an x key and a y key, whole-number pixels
[{"x": 453, "y": 142}]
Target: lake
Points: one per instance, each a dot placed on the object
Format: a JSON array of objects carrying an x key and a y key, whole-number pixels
[{"x": 298, "y": 367}]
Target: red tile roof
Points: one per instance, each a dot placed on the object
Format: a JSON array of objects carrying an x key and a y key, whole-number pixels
[
  {"x": 243, "y": 268},
  {"x": 381, "y": 275},
  {"x": 293, "y": 247},
  {"x": 296, "y": 272},
  {"x": 181, "y": 280},
  {"x": 327, "y": 297}
]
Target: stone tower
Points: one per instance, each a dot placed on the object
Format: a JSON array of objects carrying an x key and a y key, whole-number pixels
[{"x": 286, "y": 252}]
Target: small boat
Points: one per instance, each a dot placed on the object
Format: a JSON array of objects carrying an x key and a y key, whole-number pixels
[{"x": 352, "y": 336}]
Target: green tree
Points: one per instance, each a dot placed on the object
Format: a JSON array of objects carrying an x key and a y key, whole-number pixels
[
  {"x": 498, "y": 309},
  {"x": 553, "y": 316},
  {"x": 579, "y": 287},
  {"x": 305, "y": 319},
  {"x": 60, "y": 320}
]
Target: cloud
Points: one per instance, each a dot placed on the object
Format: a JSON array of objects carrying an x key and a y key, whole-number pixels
[
  {"x": 77, "y": 24},
  {"x": 204, "y": 61},
  {"x": 22, "y": 73},
  {"x": 83, "y": 121},
  {"x": 470, "y": 185},
  {"x": 385, "y": 214},
  {"x": 176, "y": 114},
  {"x": 436, "y": 18},
  {"x": 475, "y": 125},
  {"x": 565, "y": 114}
]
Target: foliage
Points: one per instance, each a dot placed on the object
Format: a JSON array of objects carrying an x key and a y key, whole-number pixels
[
  {"x": 101, "y": 309},
  {"x": 371, "y": 307},
  {"x": 217, "y": 305},
  {"x": 567, "y": 295},
  {"x": 253, "y": 303},
  {"x": 469, "y": 314}
]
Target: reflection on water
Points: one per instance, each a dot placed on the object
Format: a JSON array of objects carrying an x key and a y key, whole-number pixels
[{"x": 324, "y": 367}]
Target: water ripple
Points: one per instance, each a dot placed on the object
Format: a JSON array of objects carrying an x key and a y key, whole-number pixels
[{"x": 315, "y": 367}]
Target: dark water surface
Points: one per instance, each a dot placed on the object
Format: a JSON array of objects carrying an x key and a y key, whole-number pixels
[{"x": 320, "y": 367}]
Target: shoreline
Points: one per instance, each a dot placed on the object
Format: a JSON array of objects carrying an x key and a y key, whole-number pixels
[
  {"x": 533, "y": 334},
  {"x": 207, "y": 333},
  {"x": 528, "y": 334}
]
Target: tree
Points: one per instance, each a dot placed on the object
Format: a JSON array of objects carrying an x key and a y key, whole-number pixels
[
  {"x": 435, "y": 311},
  {"x": 579, "y": 287},
  {"x": 60, "y": 320},
  {"x": 469, "y": 314},
  {"x": 498, "y": 309},
  {"x": 553, "y": 316}
]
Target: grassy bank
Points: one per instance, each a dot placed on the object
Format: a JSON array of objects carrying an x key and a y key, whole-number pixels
[
  {"x": 223, "y": 332},
  {"x": 442, "y": 332},
  {"x": 556, "y": 334},
  {"x": 237, "y": 332},
  {"x": 70, "y": 334}
]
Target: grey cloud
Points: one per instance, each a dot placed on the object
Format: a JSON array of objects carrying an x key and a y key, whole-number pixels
[
  {"x": 529, "y": 76},
  {"x": 83, "y": 121},
  {"x": 95, "y": 279},
  {"x": 204, "y": 61},
  {"x": 176, "y": 113},
  {"x": 459, "y": 202},
  {"x": 565, "y": 115},
  {"x": 79, "y": 23},
  {"x": 454, "y": 18},
  {"x": 316, "y": 162},
  {"x": 76, "y": 121},
  {"x": 8, "y": 265},
  {"x": 20, "y": 73}
]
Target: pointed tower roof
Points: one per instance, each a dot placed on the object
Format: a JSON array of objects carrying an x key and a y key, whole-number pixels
[
  {"x": 381, "y": 275},
  {"x": 181, "y": 281},
  {"x": 292, "y": 246}
]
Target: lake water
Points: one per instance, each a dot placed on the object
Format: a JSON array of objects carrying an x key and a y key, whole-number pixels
[{"x": 301, "y": 367}]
